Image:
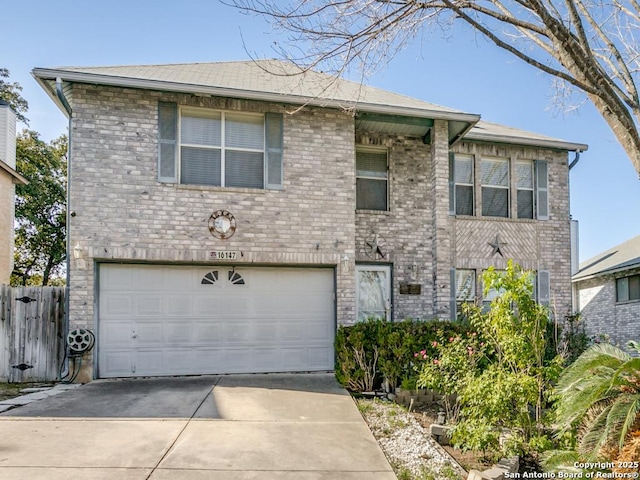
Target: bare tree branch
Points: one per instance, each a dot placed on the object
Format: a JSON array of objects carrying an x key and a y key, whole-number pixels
[{"x": 593, "y": 45}]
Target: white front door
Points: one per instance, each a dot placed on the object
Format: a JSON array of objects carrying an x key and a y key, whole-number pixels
[{"x": 373, "y": 284}]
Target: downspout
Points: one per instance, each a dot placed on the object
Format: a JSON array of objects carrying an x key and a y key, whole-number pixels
[
  {"x": 63, "y": 100},
  {"x": 575, "y": 160}
]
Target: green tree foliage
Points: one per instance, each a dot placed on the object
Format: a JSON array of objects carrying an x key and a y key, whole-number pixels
[
  {"x": 40, "y": 209},
  {"x": 598, "y": 397},
  {"x": 10, "y": 93}
]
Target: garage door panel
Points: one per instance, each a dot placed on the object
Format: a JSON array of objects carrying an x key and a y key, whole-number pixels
[
  {"x": 116, "y": 304},
  {"x": 118, "y": 363},
  {"x": 207, "y": 333},
  {"x": 176, "y": 332},
  {"x": 149, "y": 362},
  {"x": 177, "y": 305},
  {"x": 320, "y": 356},
  {"x": 163, "y": 320},
  {"x": 149, "y": 305},
  {"x": 117, "y": 334}
]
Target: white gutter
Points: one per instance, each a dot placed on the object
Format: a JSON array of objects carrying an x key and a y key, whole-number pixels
[{"x": 532, "y": 142}]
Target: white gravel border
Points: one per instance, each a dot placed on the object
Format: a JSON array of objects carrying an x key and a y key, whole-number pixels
[{"x": 407, "y": 445}]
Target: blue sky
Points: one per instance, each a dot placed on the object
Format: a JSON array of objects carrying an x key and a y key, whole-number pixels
[{"x": 465, "y": 73}]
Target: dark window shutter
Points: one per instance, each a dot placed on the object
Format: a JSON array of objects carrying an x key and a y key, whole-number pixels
[
  {"x": 453, "y": 288},
  {"x": 452, "y": 184},
  {"x": 542, "y": 190},
  {"x": 167, "y": 136},
  {"x": 273, "y": 154}
]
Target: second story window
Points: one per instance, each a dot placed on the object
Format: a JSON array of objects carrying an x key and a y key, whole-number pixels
[
  {"x": 201, "y": 146},
  {"x": 371, "y": 179},
  {"x": 495, "y": 186},
  {"x": 461, "y": 180},
  {"x": 221, "y": 149}
]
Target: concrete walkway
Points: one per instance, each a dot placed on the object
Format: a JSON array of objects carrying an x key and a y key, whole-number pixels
[{"x": 236, "y": 427}]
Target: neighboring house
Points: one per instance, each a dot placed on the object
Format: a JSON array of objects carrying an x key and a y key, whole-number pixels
[
  {"x": 225, "y": 217},
  {"x": 607, "y": 290},
  {"x": 9, "y": 178}
]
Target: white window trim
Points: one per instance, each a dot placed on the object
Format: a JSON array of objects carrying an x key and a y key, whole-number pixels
[{"x": 222, "y": 148}]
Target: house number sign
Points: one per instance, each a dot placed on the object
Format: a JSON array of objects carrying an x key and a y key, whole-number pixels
[{"x": 226, "y": 255}]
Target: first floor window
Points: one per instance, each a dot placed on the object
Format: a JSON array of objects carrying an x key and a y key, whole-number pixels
[
  {"x": 628, "y": 288},
  {"x": 371, "y": 179}
]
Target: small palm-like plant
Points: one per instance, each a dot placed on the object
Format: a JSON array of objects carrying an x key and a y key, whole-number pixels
[{"x": 600, "y": 395}]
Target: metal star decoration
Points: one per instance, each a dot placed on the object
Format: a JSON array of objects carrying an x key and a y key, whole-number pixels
[
  {"x": 497, "y": 246},
  {"x": 373, "y": 248}
]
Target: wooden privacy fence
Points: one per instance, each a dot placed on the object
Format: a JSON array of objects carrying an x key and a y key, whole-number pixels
[{"x": 32, "y": 341}]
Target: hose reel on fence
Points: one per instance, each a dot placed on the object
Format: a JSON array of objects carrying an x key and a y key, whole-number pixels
[{"x": 80, "y": 341}]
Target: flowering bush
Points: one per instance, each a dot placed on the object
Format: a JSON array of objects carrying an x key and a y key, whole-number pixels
[{"x": 455, "y": 359}]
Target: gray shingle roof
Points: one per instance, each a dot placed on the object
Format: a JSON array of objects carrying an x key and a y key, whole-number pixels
[
  {"x": 621, "y": 257},
  {"x": 274, "y": 80}
]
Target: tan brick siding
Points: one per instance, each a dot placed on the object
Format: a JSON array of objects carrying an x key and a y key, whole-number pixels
[
  {"x": 123, "y": 214},
  {"x": 603, "y": 316}
]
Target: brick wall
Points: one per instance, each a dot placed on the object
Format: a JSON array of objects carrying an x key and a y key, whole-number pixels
[
  {"x": 123, "y": 213},
  {"x": 533, "y": 244},
  {"x": 602, "y": 315}
]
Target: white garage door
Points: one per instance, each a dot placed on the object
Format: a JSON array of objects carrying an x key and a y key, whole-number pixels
[{"x": 170, "y": 320}]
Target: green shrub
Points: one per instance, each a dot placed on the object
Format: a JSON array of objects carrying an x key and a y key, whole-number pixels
[{"x": 373, "y": 350}]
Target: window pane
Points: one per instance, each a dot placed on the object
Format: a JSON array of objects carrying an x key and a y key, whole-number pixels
[
  {"x": 525, "y": 203},
  {"x": 622, "y": 289},
  {"x": 524, "y": 174},
  {"x": 495, "y": 172},
  {"x": 200, "y": 166},
  {"x": 201, "y": 130},
  {"x": 495, "y": 202},
  {"x": 244, "y": 131},
  {"x": 465, "y": 285},
  {"x": 371, "y": 194},
  {"x": 464, "y": 200},
  {"x": 634, "y": 287},
  {"x": 464, "y": 169},
  {"x": 371, "y": 164},
  {"x": 243, "y": 169}
]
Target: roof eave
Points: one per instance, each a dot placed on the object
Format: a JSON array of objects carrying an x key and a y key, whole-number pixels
[
  {"x": 609, "y": 271},
  {"x": 44, "y": 74},
  {"x": 16, "y": 177},
  {"x": 526, "y": 141}
]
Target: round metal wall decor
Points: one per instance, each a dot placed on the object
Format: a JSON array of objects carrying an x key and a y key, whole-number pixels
[{"x": 222, "y": 224}]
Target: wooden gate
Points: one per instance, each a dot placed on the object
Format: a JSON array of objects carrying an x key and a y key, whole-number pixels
[{"x": 31, "y": 333}]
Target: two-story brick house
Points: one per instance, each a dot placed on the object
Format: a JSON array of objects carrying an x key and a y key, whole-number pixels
[{"x": 225, "y": 217}]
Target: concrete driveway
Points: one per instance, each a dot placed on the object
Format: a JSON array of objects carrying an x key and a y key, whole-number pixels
[{"x": 237, "y": 427}]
